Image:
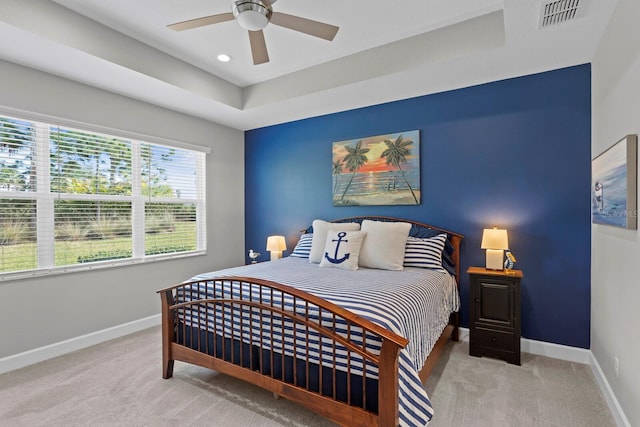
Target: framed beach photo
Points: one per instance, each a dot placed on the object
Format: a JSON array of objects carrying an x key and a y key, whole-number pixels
[
  {"x": 377, "y": 170},
  {"x": 614, "y": 185}
]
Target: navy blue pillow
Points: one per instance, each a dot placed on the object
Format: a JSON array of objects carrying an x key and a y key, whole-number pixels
[
  {"x": 447, "y": 262},
  {"x": 425, "y": 233}
]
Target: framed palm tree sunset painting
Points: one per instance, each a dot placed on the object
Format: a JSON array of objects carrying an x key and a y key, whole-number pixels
[{"x": 377, "y": 170}]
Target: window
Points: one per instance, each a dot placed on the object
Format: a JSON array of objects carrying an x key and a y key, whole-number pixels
[{"x": 73, "y": 199}]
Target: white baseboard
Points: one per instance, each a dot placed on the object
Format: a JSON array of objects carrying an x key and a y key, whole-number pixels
[
  {"x": 556, "y": 351},
  {"x": 577, "y": 355},
  {"x": 541, "y": 348},
  {"x": 20, "y": 360},
  {"x": 616, "y": 410}
]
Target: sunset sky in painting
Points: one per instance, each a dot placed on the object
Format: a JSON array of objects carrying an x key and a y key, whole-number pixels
[{"x": 376, "y": 146}]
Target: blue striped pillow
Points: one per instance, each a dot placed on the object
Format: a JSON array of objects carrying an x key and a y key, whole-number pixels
[
  {"x": 425, "y": 253},
  {"x": 303, "y": 247}
]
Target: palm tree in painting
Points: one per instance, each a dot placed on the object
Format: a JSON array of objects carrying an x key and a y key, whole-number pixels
[
  {"x": 396, "y": 154},
  {"x": 337, "y": 170},
  {"x": 354, "y": 161}
]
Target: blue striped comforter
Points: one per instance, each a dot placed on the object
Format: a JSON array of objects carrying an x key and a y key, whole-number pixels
[{"x": 414, "y": 303}]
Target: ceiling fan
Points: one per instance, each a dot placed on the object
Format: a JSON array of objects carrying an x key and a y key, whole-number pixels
[{"x": 254, "y": 15}]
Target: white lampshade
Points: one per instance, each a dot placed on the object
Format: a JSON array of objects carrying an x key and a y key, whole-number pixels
[
  {"x": 493, "y": 238},
  {"x": 495, "y": 241},
  {"x": 275, "y": 245}
]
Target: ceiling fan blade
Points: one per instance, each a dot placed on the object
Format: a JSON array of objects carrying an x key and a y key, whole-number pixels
[
  {"x": 201, "y": 22},
  {"x": 258, "y": 47},
  {"x": 304, "y": 25}
]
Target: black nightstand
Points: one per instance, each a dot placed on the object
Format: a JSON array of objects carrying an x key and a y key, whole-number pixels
[{"x": 494, "y": 328}]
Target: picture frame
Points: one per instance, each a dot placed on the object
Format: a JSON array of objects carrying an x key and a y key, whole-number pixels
[
  {"x": 614, "y": 177},
  {"x": 377, "y": 170}
]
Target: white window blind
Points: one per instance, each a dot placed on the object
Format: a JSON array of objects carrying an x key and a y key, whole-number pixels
[
  {"x": 71, "y": 197},
  {"x": 169, "y": 206}
]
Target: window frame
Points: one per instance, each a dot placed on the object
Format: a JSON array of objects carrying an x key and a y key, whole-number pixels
[{"x": 44, "y": 198}]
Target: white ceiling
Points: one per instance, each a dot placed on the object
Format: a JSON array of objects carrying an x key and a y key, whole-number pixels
[{"x": 385, "y": 50}]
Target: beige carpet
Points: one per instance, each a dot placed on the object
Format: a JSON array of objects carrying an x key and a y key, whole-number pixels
[
  {"x": 543, "y": 392},
  {"x": 119, "y": 383}
]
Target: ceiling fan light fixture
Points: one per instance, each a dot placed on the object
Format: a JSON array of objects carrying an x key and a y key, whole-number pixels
[{"x": 252, "y": 15}]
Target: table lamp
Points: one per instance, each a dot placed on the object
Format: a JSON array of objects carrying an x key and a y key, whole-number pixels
[
  {"x": 275, "y": 245},
  {"x": 495, "y": 241}
]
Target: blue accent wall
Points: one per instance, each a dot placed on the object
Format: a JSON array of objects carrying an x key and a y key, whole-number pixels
[{"x": 514, "y": 153}]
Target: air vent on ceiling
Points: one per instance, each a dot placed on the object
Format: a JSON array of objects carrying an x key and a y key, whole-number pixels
[{"x": 554, "y": 12}]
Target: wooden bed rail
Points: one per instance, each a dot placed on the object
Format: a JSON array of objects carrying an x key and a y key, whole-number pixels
[{"x": 315, "y": 335}]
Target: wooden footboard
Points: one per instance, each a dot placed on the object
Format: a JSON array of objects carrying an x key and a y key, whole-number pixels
[{"x": 253, "y": 351}]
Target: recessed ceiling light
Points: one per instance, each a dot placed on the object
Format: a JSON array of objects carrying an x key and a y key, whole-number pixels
[{"x": 224, "y": 57}]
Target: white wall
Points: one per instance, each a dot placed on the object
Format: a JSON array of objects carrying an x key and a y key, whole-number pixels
[
  {"x": 46, "y": 310},
  {"x": 615, "y": 283}
]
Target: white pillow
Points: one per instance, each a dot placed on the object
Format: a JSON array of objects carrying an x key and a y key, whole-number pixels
[
  {"x": 320, "y": 229},
  {"x": 384, "y": 245},
  {"x": 342, "y": 249}
]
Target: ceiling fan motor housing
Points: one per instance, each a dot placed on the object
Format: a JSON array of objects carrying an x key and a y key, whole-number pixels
[{"x": 252, "y": 15}]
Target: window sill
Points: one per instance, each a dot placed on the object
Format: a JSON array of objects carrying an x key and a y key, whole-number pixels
[{"x": 100, "y": 265}]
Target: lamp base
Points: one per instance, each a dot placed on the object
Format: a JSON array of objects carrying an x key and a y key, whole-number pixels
[
  {"x": 276, "y": 255},
  {"x": 495, "y": 259}
]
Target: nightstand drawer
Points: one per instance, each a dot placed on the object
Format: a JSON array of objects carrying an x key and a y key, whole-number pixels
[{"x": 494, "y": 339}]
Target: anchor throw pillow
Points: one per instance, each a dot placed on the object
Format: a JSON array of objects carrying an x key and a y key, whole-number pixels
[
  {"x": 342, "y": 249},
  {"x": 320, "y": 230}
]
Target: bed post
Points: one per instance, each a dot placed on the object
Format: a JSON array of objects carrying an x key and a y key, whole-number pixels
[
  {"x": 455, "y": 321},
  {"x": 456, "y": 240},
  {"x": 168, "y": 333},
  {"x": 388, "y": 412}
]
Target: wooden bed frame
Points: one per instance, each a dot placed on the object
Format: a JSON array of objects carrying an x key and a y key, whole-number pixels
[{"x": 241, "y": 363}]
